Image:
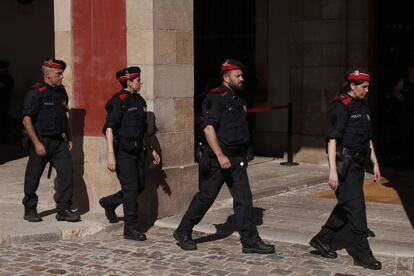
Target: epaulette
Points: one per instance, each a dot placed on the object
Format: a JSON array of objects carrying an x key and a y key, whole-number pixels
[
  {"x": 39, "y": 87},
  {"x": 122, "y": 96},
  {"x": 217, "y": 90},
  {"x": 35, "y": 85},
  {"x": 343, "y": 98}
]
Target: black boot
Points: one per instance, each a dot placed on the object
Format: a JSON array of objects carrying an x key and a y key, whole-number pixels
[
  {"x": 31, "y": 215},
  {"x": 67, "y": 215},
  {"x": 185, "y": 241},
  {"x": 259, "y": 247},
  {"x": 370, "y": 233},
  {"x": 109, "y": 211},
  {"x": 323, "y": 248},
  {"x": 368, "y": 262},
  {"x": 134, "y": 234}
]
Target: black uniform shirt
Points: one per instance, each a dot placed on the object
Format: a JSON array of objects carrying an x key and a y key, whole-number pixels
[
  {"x": 31, "y": 102},
  {"x": 337, "y": 117},
  {"x": 349, "y": 124},
  {"x": 213, "y": 106},
  {"x": 114, "y": 108},
  {"x": 114, "y": 114},
  {"x": 225, "y": 111}
]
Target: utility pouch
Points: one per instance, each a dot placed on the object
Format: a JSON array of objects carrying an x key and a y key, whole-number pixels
[{"x": 343, "y": 162}]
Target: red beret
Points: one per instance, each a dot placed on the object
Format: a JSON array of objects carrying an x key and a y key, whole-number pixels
[
  {"x": 54, "y": 63},
  {"x": 230, "y": 65},
  {"x": 357, "y": 76},
  {"x": 129, "y": 73}
]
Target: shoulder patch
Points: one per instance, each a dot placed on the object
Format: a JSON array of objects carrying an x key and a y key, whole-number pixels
[
  {"x": 346, "y": 101},
  {"x": 122, "y": 96},
  {"x": 215, "y": 90},
  {"x": 343, "y": 99},
  {"x": 221, "y": 92},
  {"x": 42, "y": 88},
  {"x": 35, "y": 85}
]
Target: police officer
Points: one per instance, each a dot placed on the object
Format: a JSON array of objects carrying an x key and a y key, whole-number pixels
[
  {"x": 46, "y": 124},
  {"x": 226, "y": 131},
  {"x": 349, "y": 148},
  {"x": 124, "y": 130}
]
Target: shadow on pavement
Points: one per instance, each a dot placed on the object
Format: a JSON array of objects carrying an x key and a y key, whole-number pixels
[
  {"x": 403, "y": 183},
  {"x": 11, "y": 152},
  {"x": 230, "y": 226}
]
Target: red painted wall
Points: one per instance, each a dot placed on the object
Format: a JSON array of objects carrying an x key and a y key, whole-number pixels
[{"x": 99, "y": 50}]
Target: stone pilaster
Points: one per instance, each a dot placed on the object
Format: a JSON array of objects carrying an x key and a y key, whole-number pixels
[
  {"x": 160, "y": 41},
  {"x": 63, "y": 41}
]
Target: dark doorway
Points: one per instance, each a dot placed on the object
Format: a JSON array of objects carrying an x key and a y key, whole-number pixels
[
  {"x": 27, "y": 37},
  {"x": 395, "y": 26},
  {"x": 396, "y": 51},
  {"x": 222, "y": 29}
]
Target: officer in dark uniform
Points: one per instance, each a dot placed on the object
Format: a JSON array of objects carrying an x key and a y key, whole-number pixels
[
  {"x": 46, "y": 124},
  {"x": 226, "y": 131},
  {"x": 124, "y": 129},
  {"x": 350, "y": 149}
]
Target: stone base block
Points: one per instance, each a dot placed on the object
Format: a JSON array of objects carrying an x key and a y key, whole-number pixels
[{"x": 167, "y": 192}]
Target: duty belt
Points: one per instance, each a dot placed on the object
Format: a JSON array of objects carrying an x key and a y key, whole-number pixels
[{"x": 359, "y": 157}]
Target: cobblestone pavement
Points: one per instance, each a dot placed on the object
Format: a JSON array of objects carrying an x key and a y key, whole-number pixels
[{"x": 110, "y": 254}]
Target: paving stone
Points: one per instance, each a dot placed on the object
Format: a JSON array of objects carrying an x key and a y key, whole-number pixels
[
  {"x": 281, "y": 272},
  {"x": 110, "y": 254}
]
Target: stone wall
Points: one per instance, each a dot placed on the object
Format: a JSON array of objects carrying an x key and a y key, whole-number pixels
[
  {"x": 159, "y": 39},
  {"x": 326, "y": 38}
]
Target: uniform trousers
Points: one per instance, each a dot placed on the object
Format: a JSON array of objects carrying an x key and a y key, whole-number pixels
[
  {"x": 130, "y": 170},
  {"x": 58, "y": 153},
  {"x": 347, "y": 227},
  {"x": 238, "y": 183}
]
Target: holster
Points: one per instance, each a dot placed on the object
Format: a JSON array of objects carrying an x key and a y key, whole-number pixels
[
  {"x": 131, "y": 145},
  {"x": 343, "y": 161},
  {"x": 364, "y": 160},
  {"x": 203, "y": 156}
]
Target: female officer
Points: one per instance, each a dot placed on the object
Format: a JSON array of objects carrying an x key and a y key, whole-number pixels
[
  {"x": 124, "y": 130},
  {"x": 349, "y": 148}
]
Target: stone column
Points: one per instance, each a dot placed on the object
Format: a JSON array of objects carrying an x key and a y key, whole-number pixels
[
  {"x": 63, "y": 41},
  {"x": 160, "y": 41}
]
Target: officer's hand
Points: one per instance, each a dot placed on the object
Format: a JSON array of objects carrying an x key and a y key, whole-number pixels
[
  {"x": 111, "y": 162},
  {"x": 157, "y": 158},
  {"x": 224, "y": 161},
  {"x": 70, "y": 145},
  {"x": 333, "y": 180},
  {"x": 40, "y": 149},
  {"x": 377, "y": 174}
]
